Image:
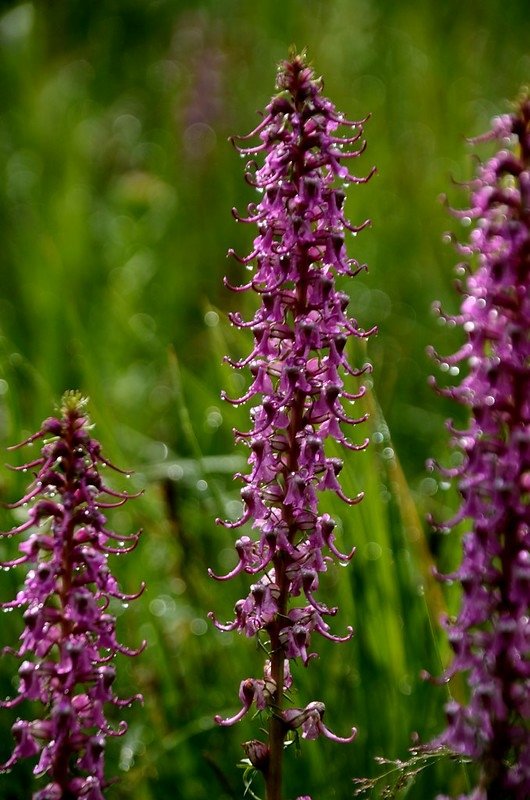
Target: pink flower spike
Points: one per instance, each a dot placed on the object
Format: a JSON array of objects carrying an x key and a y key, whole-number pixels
[
  {"x": 298, "y": 369},
  {"x": 69, "y": 636},
  {"x": 490, "y": 634}
]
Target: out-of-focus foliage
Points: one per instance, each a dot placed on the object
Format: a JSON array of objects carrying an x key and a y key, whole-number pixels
[{"x": 116, "y": 187}]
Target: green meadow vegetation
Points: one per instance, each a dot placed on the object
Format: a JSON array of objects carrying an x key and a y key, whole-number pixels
[{"x": 116, "y": 187}]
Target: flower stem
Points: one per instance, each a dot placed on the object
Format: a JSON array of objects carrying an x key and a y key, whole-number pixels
[{"x": 277, "y": 728}]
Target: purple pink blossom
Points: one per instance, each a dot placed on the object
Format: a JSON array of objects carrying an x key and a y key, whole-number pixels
[
  {"x": 68, "y": 644},
  {"x": 297, "y": 362},
  {"x": 490, "y": 636}
]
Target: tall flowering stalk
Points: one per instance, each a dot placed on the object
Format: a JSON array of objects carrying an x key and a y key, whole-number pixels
[
  {"x": 491, "y": 634},
  {"x": 68, "y": 645},
  {"x": 300, "y": 332}
]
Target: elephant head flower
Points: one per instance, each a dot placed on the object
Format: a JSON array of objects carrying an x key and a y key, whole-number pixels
[
  {"x": 297, "y": 363},
  {"x": 69, "y": 640}
]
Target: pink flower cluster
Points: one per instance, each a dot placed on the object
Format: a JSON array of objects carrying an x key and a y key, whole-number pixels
[
  {"x": 491, "y": 634},
  {"x": 68, "y": 644},
  {"x": 297, "y": 362}
]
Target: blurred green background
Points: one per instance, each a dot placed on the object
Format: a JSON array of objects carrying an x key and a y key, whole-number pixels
[{"x": 116, "y": 187}]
